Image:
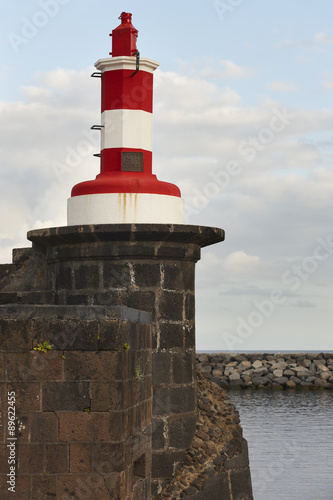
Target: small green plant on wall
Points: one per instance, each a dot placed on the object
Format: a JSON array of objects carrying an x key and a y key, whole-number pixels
[
  {"x": 43, "y": 347},
  {"x": 138, "y": 375}
]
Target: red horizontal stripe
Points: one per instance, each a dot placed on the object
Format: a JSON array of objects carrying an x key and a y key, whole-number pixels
[
  {"x": 125, "y": 182},
  {"x": 120, "y": 90},
  {"x": 111, "y": 159}
]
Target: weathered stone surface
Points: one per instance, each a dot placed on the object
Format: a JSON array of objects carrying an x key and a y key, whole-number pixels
[
  {"x": 320, "y": 362},
  {"x": 241, "y": 484},
  {"x": 239, "y": 461},
  {"x": 220, "y": 382},
  {"x": 257, "y": 364},
  {"x": 175, "y": 400},
  {"x": 257, "y": 380},
  {"x": 319, "y": 382},
  {"x": 260, "y": 371},
  {"x": 305, "y": 362},
  {"x": 217, "y": 373},
  {"x": 303, "y": 375},
  {"x": 229, "y": 370},
  {"x": 205, "y": 368},
  {"x": 281, "y": 365},
  {"x": 288, "y": 373},
  {"x": 248, "y": 372},
  {"x": 245, "y": 365},
  {"x": 281, "y": 380},
  {"x": 158, "y": 434},
  {"x": 322, "y": 368},
  {"x": 217, "y": 452},
  {"x": 78, "y": 415},
  {"x": 301, "y": 369},
  {"x": 202, "y": 358},
  {"x": 256, "y": 357},
  {"x": 181, "y": 432},
  {"x": 306, "y": 384}
]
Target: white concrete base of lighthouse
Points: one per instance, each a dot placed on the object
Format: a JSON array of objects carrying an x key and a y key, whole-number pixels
[{"x": 125, "y": 208}]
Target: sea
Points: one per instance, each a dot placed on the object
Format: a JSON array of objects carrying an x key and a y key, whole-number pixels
[{"x": 290, "y": 441}]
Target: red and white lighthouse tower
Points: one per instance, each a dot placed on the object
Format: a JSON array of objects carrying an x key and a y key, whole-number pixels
[{"x": 126, "y": 190}]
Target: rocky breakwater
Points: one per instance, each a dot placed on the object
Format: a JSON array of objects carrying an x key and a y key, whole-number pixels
[{"x": 295, "y": 370}]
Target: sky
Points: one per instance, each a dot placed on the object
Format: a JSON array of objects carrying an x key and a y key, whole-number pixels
[{"x": 243, "y": 124}]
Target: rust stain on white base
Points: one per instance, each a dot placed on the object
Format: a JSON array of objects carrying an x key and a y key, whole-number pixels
[{"x": 125, "y": 208}]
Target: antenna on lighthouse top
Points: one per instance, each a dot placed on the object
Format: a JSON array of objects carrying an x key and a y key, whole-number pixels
[{"x": 124, "y": 37}]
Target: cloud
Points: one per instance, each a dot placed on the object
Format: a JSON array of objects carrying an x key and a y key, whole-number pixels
[
  {"x": 327, "y": 85},
  {"x": 323, "y": 38},
  {"x": 213, "y": 121},
  {"x": 317, "y": 40},
  {"x": 52, "y": 122},
  {"x": 47, "y": 147},
  {"x": 212, "y": 69},
  {"x": 6, "y": 72},
  {"x": 282, "y": 87},
  {"x": 195, "y": 94},
  {"x": 249, "y": 290},
  {"x": 239, "y": 262},
  {"x": 304, "y": 304},
  {"x": 64, "y": 88},
  {"x": 273, "y": 209}
]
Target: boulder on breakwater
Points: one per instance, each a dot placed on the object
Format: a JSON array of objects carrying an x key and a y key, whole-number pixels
[{"x": 265, "y": 370}]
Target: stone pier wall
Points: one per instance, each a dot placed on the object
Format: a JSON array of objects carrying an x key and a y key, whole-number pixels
[
  {"x": 145, "y": 267},
  {"x": 216, "y": 466},
  {"x": 77, "y": 416},
  {"x": 114, "y": 409},
  {"x": 277, "y": 371}
]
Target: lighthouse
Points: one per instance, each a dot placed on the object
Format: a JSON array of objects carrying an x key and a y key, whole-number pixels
[{"x": 125, "y": 190}]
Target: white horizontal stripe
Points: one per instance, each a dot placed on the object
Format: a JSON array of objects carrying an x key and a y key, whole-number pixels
[
  {"x": 126, "y": 128},
  {"x": 125, "y": 208},
  {"x": 126, "y": 62}
]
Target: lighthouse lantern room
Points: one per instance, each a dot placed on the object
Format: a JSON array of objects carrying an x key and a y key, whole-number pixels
[{"x": 126, "y": 190}]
